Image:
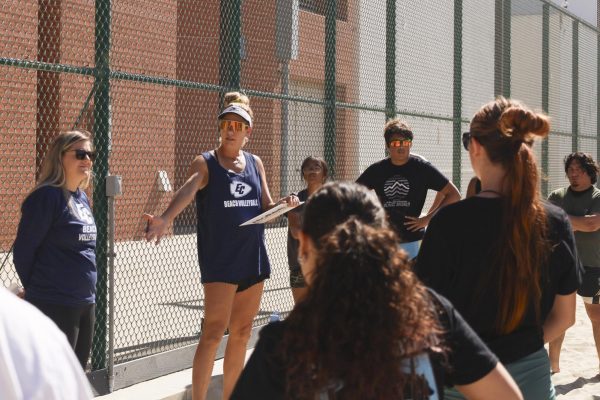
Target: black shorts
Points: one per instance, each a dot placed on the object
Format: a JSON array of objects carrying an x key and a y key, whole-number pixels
[
  {"x": 590, "y": 285},
  {"x": 249, "y": 282}
]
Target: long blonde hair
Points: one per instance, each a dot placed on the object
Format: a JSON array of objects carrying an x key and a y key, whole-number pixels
[{"x": 52, "y": 172}]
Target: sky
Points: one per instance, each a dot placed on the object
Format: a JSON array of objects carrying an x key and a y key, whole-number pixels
[{"x": 585, "y": 9}]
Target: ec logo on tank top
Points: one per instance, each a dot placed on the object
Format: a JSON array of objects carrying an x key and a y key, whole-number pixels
[{"x": 239, "y": 189}]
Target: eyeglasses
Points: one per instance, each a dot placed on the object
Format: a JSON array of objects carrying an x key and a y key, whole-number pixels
[
  {"x": 466, "y": 139},
  {"x": 235, "y": 125},
  {"x": 81, "y": 154},
  {"x": 400, "y": 143}
]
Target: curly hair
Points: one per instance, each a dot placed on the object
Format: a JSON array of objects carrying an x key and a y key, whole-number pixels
[
  {"x": 507, "y": 129},
  {"x": 587, "y": 163},
  {"x": 364, "y": 306}
]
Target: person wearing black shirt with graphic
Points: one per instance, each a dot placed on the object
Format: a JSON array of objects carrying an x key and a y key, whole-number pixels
[
  {"x": 54, "y": 251},
  {"x": 366, "y": 328},
  {"x": 504, "y": 258},
  {"x": 401, "y": 182}
]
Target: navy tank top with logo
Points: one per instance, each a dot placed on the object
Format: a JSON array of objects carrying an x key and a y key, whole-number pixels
[{"x": 228, "y": 252}]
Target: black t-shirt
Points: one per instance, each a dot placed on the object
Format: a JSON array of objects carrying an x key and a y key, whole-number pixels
[
  {"x": 292, "y": 244},
  {"x": 468, "y": 358},
  {"x": 458, "y": 249},
  {"x": 402, "y": 189}
]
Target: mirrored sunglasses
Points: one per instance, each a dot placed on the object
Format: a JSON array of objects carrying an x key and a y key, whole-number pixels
[
  {"x": 81, "y": 154},
  {"x": 235, "y": 125},
  {"x": 400, "y": 143}
]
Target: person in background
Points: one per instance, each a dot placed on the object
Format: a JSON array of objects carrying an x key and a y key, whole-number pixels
[
  {"x": 366, "y": 328},
  {"x": 401, "y": 182},
  {"x": 54, "y": 252},
  {"x": 504, "y": 258},
  {"x": 36, "y": 361},
  {"x": 314, "y": 173},
  {"x": 581, "y": 201},
  {"x": 230, "y": 187}
]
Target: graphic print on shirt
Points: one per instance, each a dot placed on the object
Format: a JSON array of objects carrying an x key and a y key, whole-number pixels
[
  {"x": 396, "y": 190},
  {"x": 83, "y": 214},
  {"x": 240, "y": 189}
]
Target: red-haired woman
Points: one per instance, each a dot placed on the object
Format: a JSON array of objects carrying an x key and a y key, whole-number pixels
[
  {"x": 505, "y": 259},
  {"x": 366, "y": 328}
]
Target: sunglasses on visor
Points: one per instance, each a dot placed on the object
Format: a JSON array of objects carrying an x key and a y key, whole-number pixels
[
  {"x": 81, "y": 154},
  {"x": 400, "y": 143},
  {"x": 235, "y": 125}
]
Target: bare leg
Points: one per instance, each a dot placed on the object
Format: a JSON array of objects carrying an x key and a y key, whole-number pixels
[
  {"x": 218, "y": 302},
  {"x": 299, "y": 293},
  {"x": 245, "y": 308},
  {"x": 554, "y": 353},
  {"x": 593, "y": 311}
]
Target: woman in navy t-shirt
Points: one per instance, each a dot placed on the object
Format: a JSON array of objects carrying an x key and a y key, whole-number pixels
[
  {"x": 230, "y": 187},
  {"x": 54, "y": 251}
]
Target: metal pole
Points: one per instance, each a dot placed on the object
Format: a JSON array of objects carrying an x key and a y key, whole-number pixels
[
  {"x": 457, "y": 95},
  {"x": 545, "y": 89},
  {"x": 330, "y": 90},
  {"x": 598, "y": 83},
  {"x": 390, "y": 60},
  {"x": 506, "y": 51},
  {"x": 111, "y": 293},
  {"x": 230, "y": 31},
  {"x": 575, "y": 88},
  {"x": 102, "y": 143},
  {"x": 285, "y": 88}
]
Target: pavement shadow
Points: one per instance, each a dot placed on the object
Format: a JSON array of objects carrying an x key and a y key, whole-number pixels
[{"x": 577, "y": 384}]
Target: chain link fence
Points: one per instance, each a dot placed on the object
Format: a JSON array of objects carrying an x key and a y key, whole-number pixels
[{"x": 148, "y": 77}]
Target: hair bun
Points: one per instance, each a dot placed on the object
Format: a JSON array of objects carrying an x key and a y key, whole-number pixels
[
  {"x": 236, "y": 98},
  {"x": 518, "y": 123}
]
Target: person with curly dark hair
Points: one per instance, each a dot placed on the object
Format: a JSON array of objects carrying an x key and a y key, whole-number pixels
[
  {"x": 505, "y": 258},
  {"x": 581, "y": 201},
  {"x": 366, "y": 329}
]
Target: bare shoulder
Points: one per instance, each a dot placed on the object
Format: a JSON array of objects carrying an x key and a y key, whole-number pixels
[
  {"x": 198, "y": 171},
  {"x": 198, "y": 165}
]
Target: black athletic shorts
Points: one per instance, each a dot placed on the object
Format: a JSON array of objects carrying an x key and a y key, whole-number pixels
[
  {"x": 249, "y": 282},
  {"x": 590, "y": 285}
]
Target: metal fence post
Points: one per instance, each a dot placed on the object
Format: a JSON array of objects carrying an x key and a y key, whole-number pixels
[
  {"x": 545, "y": 90},
  {"x": 502, "y": 48},
  {"x": 457, "y": 95},
  {"x": 390, "y": 60},
  {"x": 230, "y": 32},
  {"x": 575, "y": 88},
  {"x": 330, "y": 89},
  {"x": 102, "y": 145}
]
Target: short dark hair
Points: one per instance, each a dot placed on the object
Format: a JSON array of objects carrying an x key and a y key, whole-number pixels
[
  {"x": 587, "y": 163},
  {"x": 319, "y": 160},
  {"x": 396, "y": 126}
]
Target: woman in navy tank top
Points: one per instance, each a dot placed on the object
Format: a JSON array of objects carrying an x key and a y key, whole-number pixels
[{"x": 230, "y": 187}]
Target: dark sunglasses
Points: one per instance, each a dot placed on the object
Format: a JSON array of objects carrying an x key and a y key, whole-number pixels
[
  {"x": 81, "y": 154},
  {"x": 466, "y": 139}
]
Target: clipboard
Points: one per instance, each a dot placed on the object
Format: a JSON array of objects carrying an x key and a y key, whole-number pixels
[{"x": 268, "y": 215}]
